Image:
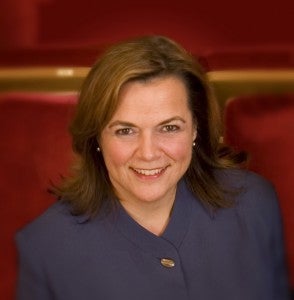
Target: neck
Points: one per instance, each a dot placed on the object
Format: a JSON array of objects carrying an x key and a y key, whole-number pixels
[{"x": 154, "y": 217}]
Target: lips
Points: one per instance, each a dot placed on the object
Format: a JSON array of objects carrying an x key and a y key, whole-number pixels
[{"x": 149, "y": 172}]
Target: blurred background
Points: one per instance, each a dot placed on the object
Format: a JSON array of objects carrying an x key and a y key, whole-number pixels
[
  {"x": 199, "y": 25},
  {"x": 47, "y": 47},
  {"x": 224, "y": 35}
]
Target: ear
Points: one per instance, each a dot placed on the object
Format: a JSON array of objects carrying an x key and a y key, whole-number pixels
[{"x": 194, "y": 132}]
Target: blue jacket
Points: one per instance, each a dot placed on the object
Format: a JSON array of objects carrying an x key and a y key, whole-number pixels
[{"x": 231, "y": 254}]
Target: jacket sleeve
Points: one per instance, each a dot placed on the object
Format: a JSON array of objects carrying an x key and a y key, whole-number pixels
[
  {"x": 281, "y": 282},
  {"x": 264, "y": 218},
  {"x": 31, "y": 284}
]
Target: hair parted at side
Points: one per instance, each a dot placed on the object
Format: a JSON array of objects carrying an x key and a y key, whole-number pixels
[{"x": 89, "y": 188}]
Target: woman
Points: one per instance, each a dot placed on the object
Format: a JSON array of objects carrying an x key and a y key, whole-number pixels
[{"x": 155, "y": 208}]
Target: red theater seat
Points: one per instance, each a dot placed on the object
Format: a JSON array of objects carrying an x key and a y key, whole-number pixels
[
  {"x": 50, "y": 56},
  {"x": 249, "y": 58},
  {"x": 263, "y": 125},
  {"x": 35, "y": 147}
]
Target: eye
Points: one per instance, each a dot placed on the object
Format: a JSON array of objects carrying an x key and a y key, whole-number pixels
[
  {"x": 170, "y": 128},
  {"x": 124, "y": 131}
]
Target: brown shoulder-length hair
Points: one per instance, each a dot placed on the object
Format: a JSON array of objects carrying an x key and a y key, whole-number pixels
[{"x": 89, "y": 188}]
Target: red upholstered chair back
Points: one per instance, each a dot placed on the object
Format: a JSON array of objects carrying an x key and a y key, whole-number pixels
[
  {"x": 253, "y": 58},
  {"x": 35, "y": 147},
  {"x": 263, "y": 125}
]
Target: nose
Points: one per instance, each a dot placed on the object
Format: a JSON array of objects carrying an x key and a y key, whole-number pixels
[{"x": 148, "y": 148}]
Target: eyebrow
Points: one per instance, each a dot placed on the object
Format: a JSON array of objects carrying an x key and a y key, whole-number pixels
[
  {"x": 129, "y": 124},
  {"x": 176, "y": 118},
  {"x": 121, "y": 123}
]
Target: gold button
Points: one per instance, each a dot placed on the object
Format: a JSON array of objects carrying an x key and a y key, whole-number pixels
[{"x": 167, "y": 262}]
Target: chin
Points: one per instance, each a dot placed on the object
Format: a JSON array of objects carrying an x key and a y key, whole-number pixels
[{"x": 150, "y": 197}]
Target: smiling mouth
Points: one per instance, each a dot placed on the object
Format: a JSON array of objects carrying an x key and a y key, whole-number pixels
[{"x": 149, "y": 172}]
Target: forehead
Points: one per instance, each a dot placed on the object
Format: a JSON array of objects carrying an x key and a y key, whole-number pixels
[{"x": 156, "y": 95}]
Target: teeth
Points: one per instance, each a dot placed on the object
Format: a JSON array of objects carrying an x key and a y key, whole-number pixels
[{"x": 148, "y": 172}]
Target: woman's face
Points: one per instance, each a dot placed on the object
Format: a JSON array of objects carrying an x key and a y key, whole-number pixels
[{"x": 147, "y": 145}]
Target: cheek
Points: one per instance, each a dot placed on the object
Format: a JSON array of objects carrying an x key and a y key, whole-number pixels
[
  {"x": 115, "y": 154},
  {"x": 179, "y": 150}
]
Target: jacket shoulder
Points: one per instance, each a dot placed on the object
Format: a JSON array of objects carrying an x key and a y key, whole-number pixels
[{"x": 50, "y": 226}]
